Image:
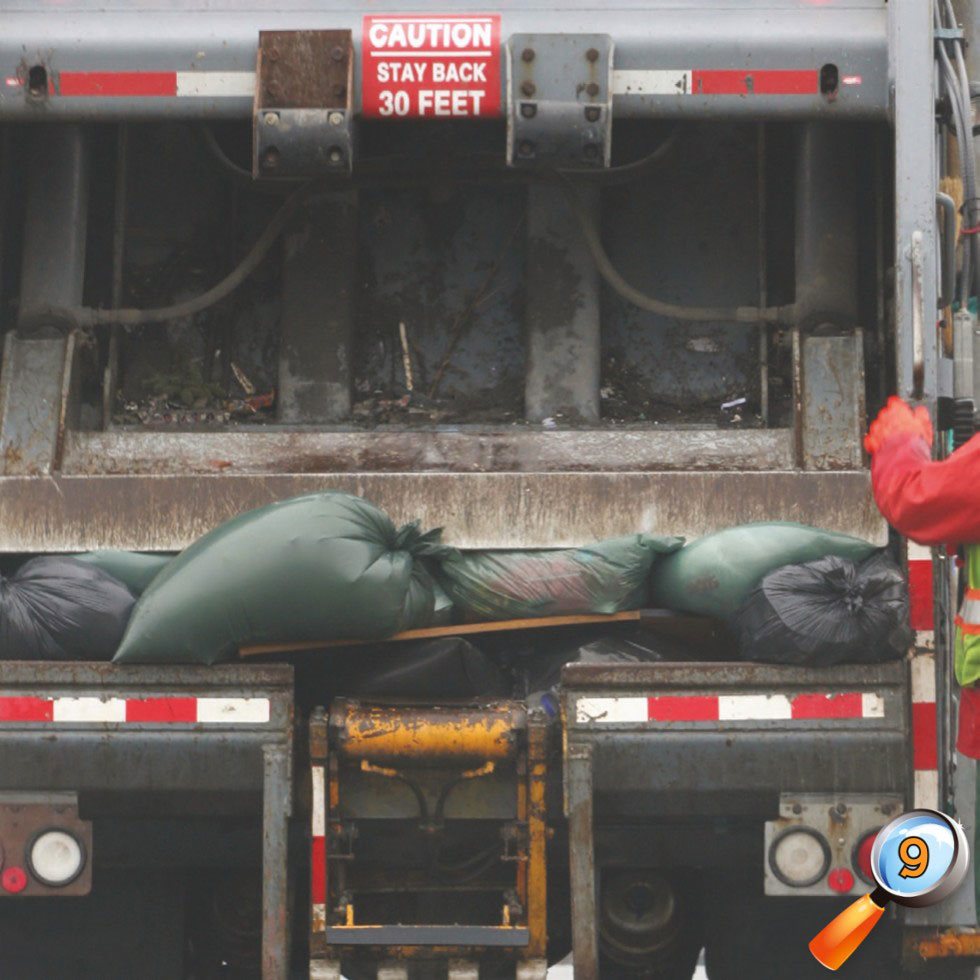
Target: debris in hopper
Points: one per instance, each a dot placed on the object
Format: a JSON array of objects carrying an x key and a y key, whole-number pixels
[
  {"x": 734, "y": 403},
  {"x": 549, "y": 423},
  {"x": 406, "y": 357},
  {"x": 242, "y": 379}
]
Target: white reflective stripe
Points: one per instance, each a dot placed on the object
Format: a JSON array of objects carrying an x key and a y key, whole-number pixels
[
  {"x": 754, "y": 707},
  {"x": 926, "y": 789},
  {"x": 970, "y": 611},
  {"x": 233, "y": 710},
  {"x": 918, "y": 552},
  {"x": 89, "y": 709},
  {"x": 924, "y": 677},
  {"x": 671, "y": 81},
  {"x": 216, "y": 83},
  {"x": 319, "y": 822},
  {"x": 319, "y": 924},
  {"x": 611, "y": 709},
  {"x": 925, "y": 640},
  {"x": 872, "y": 706}
]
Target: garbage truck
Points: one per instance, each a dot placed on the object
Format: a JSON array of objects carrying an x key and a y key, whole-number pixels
[{"x": 538, "y": 274}]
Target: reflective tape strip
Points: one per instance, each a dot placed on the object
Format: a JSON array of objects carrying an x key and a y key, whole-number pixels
[
  {"x": 254, "y": 711},
  {"x": 921, "y": 600},
  {"x": 700, "y": 81},
  {"x": 732, "y": 707},
  {"x": 153, "y": 84},
  {"x": 154, "y": 710},
  {"x": 970, "y": 612},
  {"x": 89, "y": 709},
  {"x": 318, "y": 849},
  {"x": 924, "y": 677},
  {"x": 925, "y": 789}
]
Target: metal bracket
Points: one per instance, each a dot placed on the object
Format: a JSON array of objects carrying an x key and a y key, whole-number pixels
[
  {"x": 302, "y": 121},
  {"x": 559, "y": 101}
]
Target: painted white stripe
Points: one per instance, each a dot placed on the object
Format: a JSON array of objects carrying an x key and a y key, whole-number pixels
[
  {"x": 319, "y": 822},
  {"x": 319, "y": 924},
  {"x": 611, "y": 710},
  {"x": 872, "y": 706},
  {"x": 754, "y": 707},
  {"x": 671, "y": 81},
  {"x": 918, "y": 552},
  {"x": 215, "y": 83},
  {"x": 233, "y": 710},
  {"x": 89, "y": 709},
  {"x": 926, "y": 789},
  {"x": 924, "y": 677},
  {"x": 925, "y": 640}
]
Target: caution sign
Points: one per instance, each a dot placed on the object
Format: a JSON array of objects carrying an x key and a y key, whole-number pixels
[{"x": 430, "y": 66}]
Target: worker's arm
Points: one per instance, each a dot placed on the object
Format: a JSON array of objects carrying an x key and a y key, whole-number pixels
[{"x": 930, "y": 502}]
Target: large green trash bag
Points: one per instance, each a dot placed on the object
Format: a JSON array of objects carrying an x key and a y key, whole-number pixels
[
  {"x": 605, "y": 577},
  {"x": 714, "y": 575},
  {"x": 326, "y": 566},
  {"x": 135, "y": 569}
]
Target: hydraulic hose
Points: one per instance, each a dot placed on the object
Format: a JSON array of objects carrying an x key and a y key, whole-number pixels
[
  {"x": 90, "y": 317},
  {"x": 697, "y": 314}
]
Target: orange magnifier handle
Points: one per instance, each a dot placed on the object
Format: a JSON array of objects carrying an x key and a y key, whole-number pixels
[{"x": 839, "y": 938}]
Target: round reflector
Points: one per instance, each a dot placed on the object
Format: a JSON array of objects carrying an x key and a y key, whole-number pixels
[
  {"x": 861, "y": 858},
  {"x": 56, "y": 858},
  {"x": 799, "y": 857},
  {"x": 840, "y": 880},
  {"x": 13, "y": 880}
]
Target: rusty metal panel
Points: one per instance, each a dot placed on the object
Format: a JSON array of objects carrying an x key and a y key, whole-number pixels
[
  {"x": 477, "y": 510},
  {"x": 304, "y": 69},
  {"x": 832, "y": 410}
]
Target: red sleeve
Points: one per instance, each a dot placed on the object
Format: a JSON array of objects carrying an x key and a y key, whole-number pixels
[{"x": 928, "y": 501}]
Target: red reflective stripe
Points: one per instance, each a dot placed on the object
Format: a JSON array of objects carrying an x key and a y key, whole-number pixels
[
  {"x": 318, "y": 865},
  {"x": 752, "y": 82},
  {"x": 924, "y": 752},
  {"x": 124, "y": 83},
  {"x": 821, "y": 706},
  {"x": 920, "y": 595},
  {"x": 162, "y": 709},
  {"x": 26, "y": 709},
  {"x": 682, "y": 709}
]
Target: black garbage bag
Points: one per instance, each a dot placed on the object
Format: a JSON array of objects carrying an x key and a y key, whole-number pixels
[
  {"x": 542, "y": 673},
  {"x": 445, "y": 668},
  {"x": 825, "y": 612},
  {"x": 57, "y": 608}
]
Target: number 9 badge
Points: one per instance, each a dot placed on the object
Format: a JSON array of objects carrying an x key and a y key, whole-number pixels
[{"x": 917, "y": 859}]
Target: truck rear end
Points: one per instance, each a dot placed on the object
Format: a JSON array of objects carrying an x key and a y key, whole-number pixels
[{"x": 537, "y": 275}]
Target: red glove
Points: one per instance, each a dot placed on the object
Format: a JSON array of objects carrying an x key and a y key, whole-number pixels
[{"x": 896, "y": 418}]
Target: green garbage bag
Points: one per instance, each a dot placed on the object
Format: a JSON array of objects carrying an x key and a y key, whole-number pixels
[
  {"x": 714, "y": 575},
  {"x": 135, "y": 569},
  {"x": 604, "y": 577},
  {"x": 326, "y": 566}
]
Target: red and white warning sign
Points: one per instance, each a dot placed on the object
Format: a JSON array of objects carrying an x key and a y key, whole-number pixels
[{"x": 430, "y": 66}]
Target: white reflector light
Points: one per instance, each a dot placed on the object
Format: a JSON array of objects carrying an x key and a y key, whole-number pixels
[
  {"x": 799, "y": 857},
  {"x": 56, "y": 858}
]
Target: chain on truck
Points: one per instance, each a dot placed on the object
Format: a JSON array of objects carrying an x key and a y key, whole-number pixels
[{"x": 571, "y": 234}]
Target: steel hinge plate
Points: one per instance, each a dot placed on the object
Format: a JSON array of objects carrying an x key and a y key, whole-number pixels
[{"x": 559, "y": 101}]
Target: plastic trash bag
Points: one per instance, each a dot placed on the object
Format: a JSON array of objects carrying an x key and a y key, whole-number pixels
[
  {"x": 135, "y": 569},
  {"x": 714, "y": 575},
  {"x": 445, "y": 668},
  {"x": 325, "y": 566},
  {"x": 57, "y": 608},
  {"x": 826, "y": 612},
  {"x": 605, "y": 577}
]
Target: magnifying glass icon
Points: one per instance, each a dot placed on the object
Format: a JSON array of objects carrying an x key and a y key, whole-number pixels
[{"x": 917, "y": 859}]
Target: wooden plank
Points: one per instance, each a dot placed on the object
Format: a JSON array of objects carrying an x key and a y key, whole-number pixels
[{"x": 460, "y": 629}]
